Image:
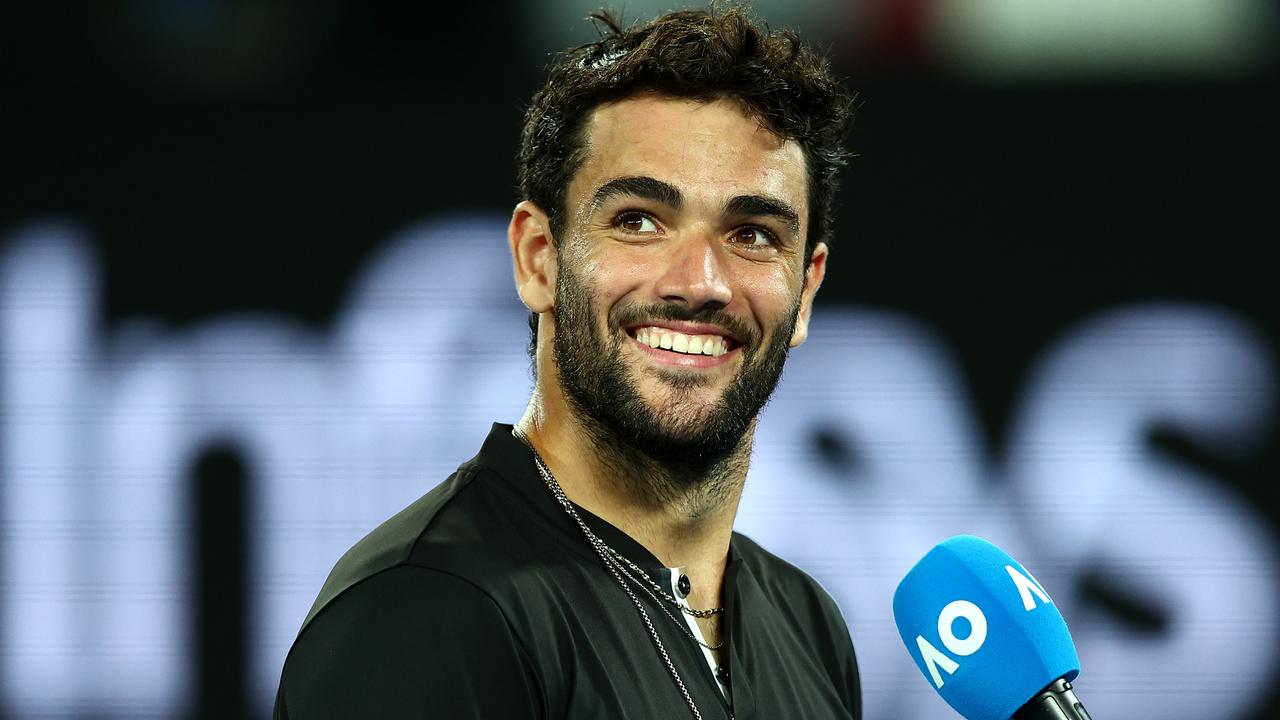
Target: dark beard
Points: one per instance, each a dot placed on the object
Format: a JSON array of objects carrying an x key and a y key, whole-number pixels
[{"x": 625, "y": 431}]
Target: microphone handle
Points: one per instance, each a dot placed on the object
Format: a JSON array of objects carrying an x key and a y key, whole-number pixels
[{"x": 1056, "y": 702}]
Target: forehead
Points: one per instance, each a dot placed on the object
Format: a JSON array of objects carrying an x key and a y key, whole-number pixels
[{"x": 711, "y": 150}]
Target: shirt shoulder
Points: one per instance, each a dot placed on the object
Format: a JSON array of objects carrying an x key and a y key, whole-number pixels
[
  {"x": 391, "y": 543},
  {"x": 407, "y": 641},
  {"x": 785, "y": 582},
  {"x": 472, "y": 525},
  {"x": 810, "y": 610}
]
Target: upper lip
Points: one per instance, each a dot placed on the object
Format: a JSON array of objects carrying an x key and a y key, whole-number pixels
[{"x": 688, "y": 328}]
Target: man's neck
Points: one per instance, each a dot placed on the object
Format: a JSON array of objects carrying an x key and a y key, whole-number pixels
[{"x": 683, "y": 515}]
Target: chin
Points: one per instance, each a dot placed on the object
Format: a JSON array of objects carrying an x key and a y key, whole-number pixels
[{"x": 671, "y": 413}]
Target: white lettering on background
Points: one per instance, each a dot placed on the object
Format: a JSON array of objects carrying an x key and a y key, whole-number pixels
[{"x": 341, "y": 429}]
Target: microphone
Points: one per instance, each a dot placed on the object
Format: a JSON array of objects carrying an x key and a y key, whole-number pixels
[{"x": 986, "y": 635}]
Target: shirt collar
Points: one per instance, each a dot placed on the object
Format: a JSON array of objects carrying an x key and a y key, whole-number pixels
[
  {"x": 513, "y": 462},
  {"x": 504, "y": 453}
]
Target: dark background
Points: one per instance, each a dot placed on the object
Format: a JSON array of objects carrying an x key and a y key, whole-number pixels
[{"x": 218, "y": 173}]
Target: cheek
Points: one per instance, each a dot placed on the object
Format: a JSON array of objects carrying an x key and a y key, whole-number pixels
[
  {"x": 773, "y": 297},
  {"x": 775, "y": 286},
  {"x": 616, "y": 277}
]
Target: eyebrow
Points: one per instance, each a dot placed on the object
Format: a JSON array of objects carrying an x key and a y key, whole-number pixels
[
  {"x": 640, "y": 186},
  {"x": 649, "y": 188},
  {"x": 758, "y": 205}
]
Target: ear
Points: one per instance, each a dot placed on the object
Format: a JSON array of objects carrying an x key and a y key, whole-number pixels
[
  {"x": 812, "y": 280},
  {"x": 533, "y": 256}
]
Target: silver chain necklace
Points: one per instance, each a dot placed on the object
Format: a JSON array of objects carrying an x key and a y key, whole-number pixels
[
  {"x": 607, "y": 555},
  {"x": 614, "y": 559},
  {"x": 666, "y": 596}
]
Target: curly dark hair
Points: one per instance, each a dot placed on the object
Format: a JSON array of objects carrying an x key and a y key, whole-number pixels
[{"x": 704, "y": 54}]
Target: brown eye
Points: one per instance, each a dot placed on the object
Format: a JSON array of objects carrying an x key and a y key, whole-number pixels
[
  {"x": 753, "y": 236},
  {"x": 636, "y": 222}
]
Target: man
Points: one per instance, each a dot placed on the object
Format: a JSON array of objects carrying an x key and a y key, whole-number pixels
[{"x": 677, "y": 179}]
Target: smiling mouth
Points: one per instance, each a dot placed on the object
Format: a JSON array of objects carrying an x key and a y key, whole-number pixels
[{"x": 668, "y": 339}]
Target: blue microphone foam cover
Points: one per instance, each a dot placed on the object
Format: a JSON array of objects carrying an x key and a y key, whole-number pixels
[{"x": 982, "y": 629}]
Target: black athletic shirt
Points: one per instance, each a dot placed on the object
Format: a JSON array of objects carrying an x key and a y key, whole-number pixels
[{"x": 484, "y": 600}]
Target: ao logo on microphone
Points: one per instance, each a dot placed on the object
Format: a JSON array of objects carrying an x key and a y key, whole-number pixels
[{"x": 963, "y": 609}]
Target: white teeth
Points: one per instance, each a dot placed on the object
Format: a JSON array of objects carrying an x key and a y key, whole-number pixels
[{"x": 654, "y": 337}]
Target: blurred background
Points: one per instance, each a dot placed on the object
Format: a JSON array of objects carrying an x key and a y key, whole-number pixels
[{"x": 255, "y": 298}]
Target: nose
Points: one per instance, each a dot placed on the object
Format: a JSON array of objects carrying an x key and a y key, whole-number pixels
[{"x": 695, "y": 273}]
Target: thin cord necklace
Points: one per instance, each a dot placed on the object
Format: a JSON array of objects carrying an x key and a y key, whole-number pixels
[
  {"x": 614, "y": 558},
  {"x": 616, "y": 568},
  {"x": 666, "y": 596}
]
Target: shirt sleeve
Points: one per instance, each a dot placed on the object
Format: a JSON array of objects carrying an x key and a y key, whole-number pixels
[
  {"x": 409, "y": 642},
  {"x": 849, "y": 670},
  {"x": 836, "y": 649},
  {"x": 844, "y": 664}
]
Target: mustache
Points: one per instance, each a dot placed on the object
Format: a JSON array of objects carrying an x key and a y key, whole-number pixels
[{"x": 631, "y": 315}]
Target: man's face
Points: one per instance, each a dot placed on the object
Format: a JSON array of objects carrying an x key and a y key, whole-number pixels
[{"x": 680, "y": 284}]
